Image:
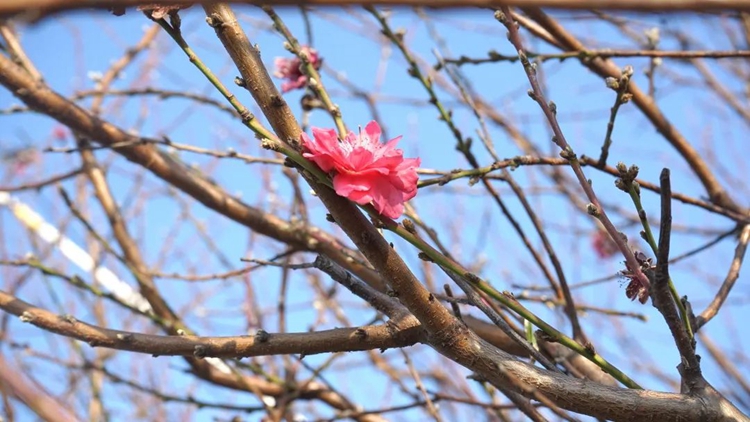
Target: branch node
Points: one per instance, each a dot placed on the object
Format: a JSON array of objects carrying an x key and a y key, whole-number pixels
[
  {"x": 214, "y": 21},
  {"x": 409, "y": 226},
  {"x": 26, "y": 316},
  {"x": 125, "y": 337},
  {"x": 199, "y": 352},
  {"x": 262, "y": 336},
  {"x": 70, "y": 319},
  {"x": 361, "y": 333}
]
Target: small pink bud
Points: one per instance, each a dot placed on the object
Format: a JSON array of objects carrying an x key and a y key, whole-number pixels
[
  {"x": 59, "y": 133},
  {"x": 603, "y": 245},
  {"x": 289, "y": 68}
]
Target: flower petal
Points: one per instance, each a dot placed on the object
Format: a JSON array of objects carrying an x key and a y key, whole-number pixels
[
  {"x": 365, "y": 170},
  {"x": 372, "y": 130},
  {"x": 353, "y": 187}
]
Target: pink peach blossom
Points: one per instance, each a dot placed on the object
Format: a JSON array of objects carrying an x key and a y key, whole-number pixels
[
  {"x": 365, "y": 170},
  {"x": 603, "y": 245},
  {"x": 60, "y": 133},
  {"x": 289, "y": 68}
]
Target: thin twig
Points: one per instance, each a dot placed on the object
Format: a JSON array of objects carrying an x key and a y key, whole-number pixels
[
  {"x": 550, "y": 110},
  {"x": 621, "y": 87},
  {"x": 477, "y": 300},
  {"x": 494, "y": 57},
  {"x": 734, "y": 272},
  {"x": 43, "y": 183}
]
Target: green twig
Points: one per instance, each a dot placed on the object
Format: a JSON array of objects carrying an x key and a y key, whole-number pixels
[
  {"x": 494, "y": 56},
  {"x": 623, "y": 96},
  {"x": 627, "y": 183},
  {"x": 271, "y": 142},
  {"x": 313, "y": 77},
  {"x": 248, "y": 119}
]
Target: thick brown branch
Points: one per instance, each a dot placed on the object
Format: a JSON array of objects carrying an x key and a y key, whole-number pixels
[{"x": 262, "y": 344}]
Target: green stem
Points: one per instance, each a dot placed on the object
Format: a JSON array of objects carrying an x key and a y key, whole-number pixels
[
  {"x": 271, "y": 142},
  {"x": 464, "y": 146},
  {"x": 248, "y": 119},
  {"x": 313, "y": 77},
  {"x": 507, "y": 300}
]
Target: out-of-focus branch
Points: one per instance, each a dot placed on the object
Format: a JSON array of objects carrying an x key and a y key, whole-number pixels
[
  {"x": 734, "y": 272},
  {"x": 42, "y": 183},
  {"x": 8, "y": 34},
  {"x": 15, "y": 384},
  {"x": 36, "y": 8}
]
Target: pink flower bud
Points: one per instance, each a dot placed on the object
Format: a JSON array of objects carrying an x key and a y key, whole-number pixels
[{"x": 289, "y": 69}]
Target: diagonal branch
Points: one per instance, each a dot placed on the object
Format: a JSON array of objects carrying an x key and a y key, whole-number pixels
[
  {"x": 734, "y": 272},
  {"x": 607, "y": 68},
  {"x": 39, "y": 97},
  {"x": 14, "y": 383}
]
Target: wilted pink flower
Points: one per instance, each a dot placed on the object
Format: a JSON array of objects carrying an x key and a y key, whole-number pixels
[
  {"x": 289, "y": 68},
  {"x": 636, "y": 289},
  {"x": 365, "y": 170},
  {"x": 603, "y": 245}
]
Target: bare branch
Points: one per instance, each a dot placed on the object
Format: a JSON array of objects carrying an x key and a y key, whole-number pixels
[
  {"x": 734, "y": 272},
  {"x": 261, "y": 344}
]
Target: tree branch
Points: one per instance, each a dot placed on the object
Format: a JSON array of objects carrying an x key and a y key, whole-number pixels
[
  {"x": 734, "y": 272},
  {"x": 693, "y": 382},
  {"x": 261, "y": 344},
  {"x": 35, "y": 9},
  {"x": 15, "y": 384},
  {"x": 607, "y": 68}
]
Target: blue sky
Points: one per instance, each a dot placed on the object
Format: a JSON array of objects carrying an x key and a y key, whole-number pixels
[{"x": 71, "y": 49}]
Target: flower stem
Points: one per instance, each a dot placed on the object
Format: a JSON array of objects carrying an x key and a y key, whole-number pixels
[
  {"x": 313, "y": 77},
  {"x": 248, "y": 119},
  {"x": 634, "y": 192}
]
